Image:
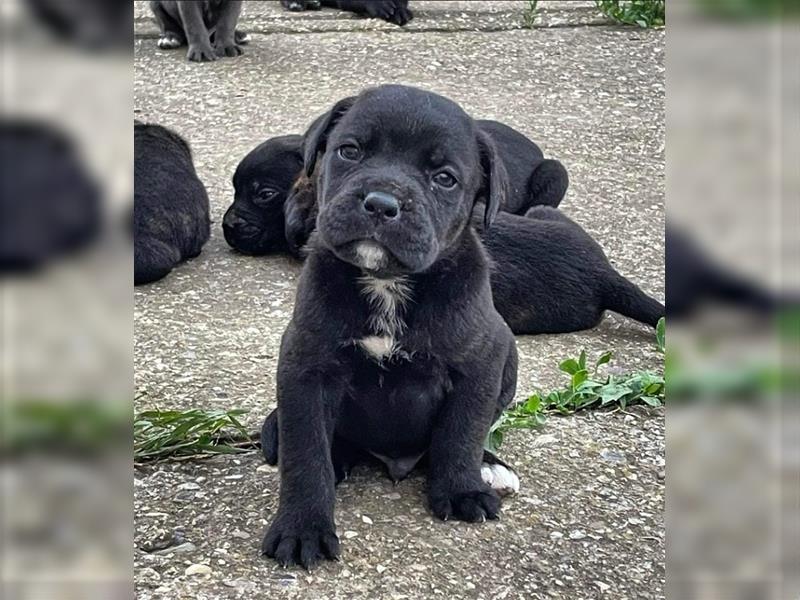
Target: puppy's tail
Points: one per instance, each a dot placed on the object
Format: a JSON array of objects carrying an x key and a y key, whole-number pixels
[
  {"x": 624, "y": 297},
  {"x": 548, "y": 183}
]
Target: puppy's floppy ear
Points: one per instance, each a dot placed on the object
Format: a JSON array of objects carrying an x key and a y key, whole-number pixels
[
  {"x": 494, "y": 189},
  {"x": 316, "y": 138}
]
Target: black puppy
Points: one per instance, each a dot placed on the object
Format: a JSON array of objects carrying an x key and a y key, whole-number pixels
[
  {"x": 170, "y": 210},
  {"x": 395, "y": 347},
  {"x": 208, "y": 26},
  {"x": 49, "y": 205},
  {"x": 533, "y": 179},
  {"x": 694, "y": 280},
  {"x": 393, "y": 11},
  {"x": 254, "y": 223},
  {"x": 549, "y": 276}
]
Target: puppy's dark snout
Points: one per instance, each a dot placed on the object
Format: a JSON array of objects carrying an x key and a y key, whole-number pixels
[{"x": 382, "y": 204}]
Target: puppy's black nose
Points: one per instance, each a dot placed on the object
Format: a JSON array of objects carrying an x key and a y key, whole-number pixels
[{"x": 381, "y": 204}]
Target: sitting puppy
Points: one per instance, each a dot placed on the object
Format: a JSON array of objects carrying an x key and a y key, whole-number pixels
[
  {"x": 549, "y": 276},
  {"x": 394, "y": 347},
  {"x": 393, "y": 11},
  {"x": 254, "y": 223},
  {"x": 170, "y": 209},
  {"x": 50, "y": 205},
  {"x": 209, "y": 27}
]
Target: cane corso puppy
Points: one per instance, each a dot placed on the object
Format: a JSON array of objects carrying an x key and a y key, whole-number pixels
[
  {"x": 394, "y": 347},
  {"x": 254, "y": 223},
  {"x": 208, "y": 26},
  {"x": 549, "y": 276},
  {"x": 50, "y": 204},
  {"x": 170, "y": 211},
  {"x": 393, "y": 11}
]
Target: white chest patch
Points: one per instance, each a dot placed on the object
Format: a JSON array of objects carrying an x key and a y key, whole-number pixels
[{"x": 387, "y": 299}]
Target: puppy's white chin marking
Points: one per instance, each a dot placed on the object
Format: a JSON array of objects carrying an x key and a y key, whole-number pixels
[
  {"x": 501, "y": 479},
  {"x": 370, "y": 256}
]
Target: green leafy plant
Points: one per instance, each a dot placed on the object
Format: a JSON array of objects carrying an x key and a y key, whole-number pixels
[
  {"x": 529, "y": 17},
  {"x": 585, "y": 390},
  {"x": 644, "y": 13},
  {"x": 160, "y": 434}
]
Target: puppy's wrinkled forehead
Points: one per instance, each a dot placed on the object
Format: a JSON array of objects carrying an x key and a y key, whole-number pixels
[{"x": 397, "y": 119}]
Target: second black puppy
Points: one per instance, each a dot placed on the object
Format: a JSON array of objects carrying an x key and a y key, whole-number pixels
[
  {"x": 394, "y": 347},
  {"x": 393, "y": 11},
  {"x": 170, "y": 205},
  {"x": 208, "y": 26},
  {"x": 550, "y": 276}
]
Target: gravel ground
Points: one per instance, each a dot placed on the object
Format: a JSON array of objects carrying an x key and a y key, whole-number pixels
[{"x": 588, "y": 522}]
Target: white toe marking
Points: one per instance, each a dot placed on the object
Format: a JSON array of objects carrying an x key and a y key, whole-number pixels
[
  {"x": 379, "y": 347},
  {"x": 502, "y": 480}
]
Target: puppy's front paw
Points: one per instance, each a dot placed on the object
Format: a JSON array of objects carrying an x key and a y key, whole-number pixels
[
  {"x": 402, "y": 16},
  {"x": 198, "y": 53},
  {"x": 473, "y": 506},
  {"x": 228, "y": 50},
  {"x": 298, "y": 540}
]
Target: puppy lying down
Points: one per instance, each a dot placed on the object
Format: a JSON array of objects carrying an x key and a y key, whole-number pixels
[{"x": 395, "y": 348}]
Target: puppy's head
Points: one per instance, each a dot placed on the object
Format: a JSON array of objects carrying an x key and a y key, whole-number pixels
[
  {"x": 254, "y": 223},
  {"x": 400, "y": 171}
]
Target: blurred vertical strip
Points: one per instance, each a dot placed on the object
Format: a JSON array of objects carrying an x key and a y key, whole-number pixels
[
  {"x": 66, "y": 365},
  {"x": 733, "y": 292}
]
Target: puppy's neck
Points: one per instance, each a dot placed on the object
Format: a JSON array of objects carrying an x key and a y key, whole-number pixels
[{"x": 386, "y": 299}]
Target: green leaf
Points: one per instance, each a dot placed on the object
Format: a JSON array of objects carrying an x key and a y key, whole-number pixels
[
  {"x": 604, "y": 358},
  {"x": 579, "y": 377},
  {"x": 661, "y": 335},
  {"x": 570, "y": 366},
  {"x": 582, "y": 360}
]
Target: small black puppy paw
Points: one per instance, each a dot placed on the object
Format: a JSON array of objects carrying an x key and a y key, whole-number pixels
[
  {"x": 381, "y": 9},
  {"x": 228, "y": 50},
  {"x": 198, "y": 53},
  {"x": 473, "y": 506},
  {"x": 298, "y": 540},
  {"x": 402, "y": 16}
]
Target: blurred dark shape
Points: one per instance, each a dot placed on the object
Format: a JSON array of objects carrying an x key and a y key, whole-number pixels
[
  {"x": 693, "y": 280},
  {"x": 49, "y": 205},
  {"x": 92, "y": 24},
  {"x": 170, "y": 208}
]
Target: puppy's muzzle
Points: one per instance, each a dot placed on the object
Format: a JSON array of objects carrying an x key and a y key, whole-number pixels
[{"x": 382, "y": 206}]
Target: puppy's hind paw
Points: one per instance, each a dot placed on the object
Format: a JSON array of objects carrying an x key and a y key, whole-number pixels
[
  {"x": 474, "y": 507},
  {"x": 169, "y": 42},
  {"x": 500, "y": 478}
]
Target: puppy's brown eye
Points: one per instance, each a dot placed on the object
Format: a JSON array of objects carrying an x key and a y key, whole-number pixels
[
  {"x": 349, "y": 152},
  {"x": 444, "y": 179},
  {"x": 264, "y": 195}
]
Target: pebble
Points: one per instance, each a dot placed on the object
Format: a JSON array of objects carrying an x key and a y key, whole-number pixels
[
  {"x": 380, "y": 569},
  {"x": 556, "y": 535},
  {"x": 349, "y": 535},
  {"x": 577, "y": 535},
  {"x": 242, "y": 535},
  {"x": 613, "y": 456},
  {"x": 198, "y": 570},
  {"x": 189, "y": 486},
  {"x": 604, "y": 587},
  {"x": 366, "y": 519},
  {"x": 184, "y": 548}
]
